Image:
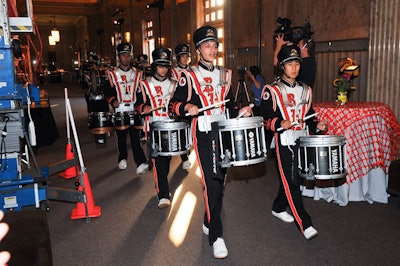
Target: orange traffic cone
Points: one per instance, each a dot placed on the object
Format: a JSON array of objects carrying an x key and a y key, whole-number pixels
[
  {"x": 90, "y": 210},
  {"x": 69, "y": 154}
]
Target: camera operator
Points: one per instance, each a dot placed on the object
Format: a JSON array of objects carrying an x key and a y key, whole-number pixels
[
  {"x": 257, "y": 84},
  {"x": 303, "y": 39}
]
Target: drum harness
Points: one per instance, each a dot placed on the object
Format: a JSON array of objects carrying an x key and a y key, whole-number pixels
[
  {"x": 127, "y": 106},
  {"x": 208, "y": 119}
]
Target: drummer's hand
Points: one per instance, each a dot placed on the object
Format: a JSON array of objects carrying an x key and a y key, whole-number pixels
[
  {"x": 322, "y": 125},
  {"x": 246, "y": 111},
  {"x": 115, "y": 103},
  {"x": 192, "y": 109},
  {"x": 286, "y": 124},
  {"x": 146, "y": 109}
]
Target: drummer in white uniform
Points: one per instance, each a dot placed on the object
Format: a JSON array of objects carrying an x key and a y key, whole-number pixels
[
  {"x": 157, "y": 91},
  {"x": 284, "y": 107},
  {"x": 121, "y": 95}
]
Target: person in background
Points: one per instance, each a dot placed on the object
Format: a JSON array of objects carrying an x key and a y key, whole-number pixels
[
  {"x": 257, "y": 84},
  {"x": 123, "y": 83},
  {"x": 144, "y": 66},
  {"x": 182, "y": 54},
  {"x": 308, "y": 65},
  {"x": 284, "y": 106},
  {"x": 203, "y": 86},
  {"x": 94, "y": 81},
  {"x": 156, "y": 91}
]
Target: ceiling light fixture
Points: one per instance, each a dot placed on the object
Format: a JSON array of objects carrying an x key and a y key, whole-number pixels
[{"x": 54, "y": 32}]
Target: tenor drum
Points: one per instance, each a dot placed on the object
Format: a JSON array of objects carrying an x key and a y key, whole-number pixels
[
  {"x": 124, "y": 120},
  {"x": 170, "y": 137},
  {"x": 241, "y": 141},
  {"x": 322, "y": 157},
  {"x": 100, "y": 122}
]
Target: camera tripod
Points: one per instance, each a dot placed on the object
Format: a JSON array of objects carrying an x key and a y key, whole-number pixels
[{"x": 241, "y": 89}]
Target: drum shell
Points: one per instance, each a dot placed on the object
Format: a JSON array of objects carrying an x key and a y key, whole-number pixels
[
  {"x": 100, "y": 122},
  {"x": 241, "y": 141},
  {"x": 170, "y": 137},
  {"x": 123, "y": 120},
  {"x": 322, "y": 157}
]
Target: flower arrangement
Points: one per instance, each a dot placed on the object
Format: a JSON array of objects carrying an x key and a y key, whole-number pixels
[{"x": 348, "y": 69}]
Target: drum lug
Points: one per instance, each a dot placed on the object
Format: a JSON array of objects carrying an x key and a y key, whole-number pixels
[{"x": 311, "y": 172}]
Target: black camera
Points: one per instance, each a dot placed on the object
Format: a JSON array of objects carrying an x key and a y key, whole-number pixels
[
  {"x": 242, "y": 71},
  {"x": 292, "y": 34}
]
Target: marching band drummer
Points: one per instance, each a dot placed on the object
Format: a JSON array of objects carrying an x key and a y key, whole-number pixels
[
  {"x": 284, "y": 106},
  {"x": 94, "y": 81},
  {"x": 200, "y": 88},
  {"x": 156, "y": 91},
  {"x": 121, "y": 95},
  {"x": 182, "y": 54}
]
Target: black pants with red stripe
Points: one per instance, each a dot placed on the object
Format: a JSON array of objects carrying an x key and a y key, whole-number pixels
[
  {"x": 289, "y": 194},
  {"x": 137, "y": 150},
  {"x": 213, "y": 178},
  {"x": 160, "y": 172}
]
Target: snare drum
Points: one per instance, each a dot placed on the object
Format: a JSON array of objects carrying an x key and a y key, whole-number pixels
[
  {"x": 241, "y": 141},
  {"x": 100, "y": 122},
  {"x": 322, "y": 157},
  {"x": 170, "y": 137},
  {"x": 124, "y": 120}
]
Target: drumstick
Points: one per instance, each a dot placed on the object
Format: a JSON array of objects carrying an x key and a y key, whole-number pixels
[
  {"x": 155, "y": 108},
  {"x": 298, "y": 121},
  {"x": 215, "y": 105},
  {"x": 245, "y": 111}
]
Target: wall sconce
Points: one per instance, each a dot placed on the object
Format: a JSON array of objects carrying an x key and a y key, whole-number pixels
[
  {"x": 127, "y": 36},
  {"x": 188, "y": 37},
  {"x": 112, "y": 40},
  {"x": 51, "y": 40}
]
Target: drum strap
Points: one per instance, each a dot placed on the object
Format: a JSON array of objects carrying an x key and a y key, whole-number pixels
[
  {"x": 222, "y": 76},
  {"x": 304, "y": 99},
  {"x": 165, "y": 98},
  {"x": 133, "y": 79},
  {"x": 221, "y": 88}
]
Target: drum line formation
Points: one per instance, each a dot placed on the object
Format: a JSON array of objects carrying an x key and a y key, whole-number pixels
[{"x": 242, "y": 142}]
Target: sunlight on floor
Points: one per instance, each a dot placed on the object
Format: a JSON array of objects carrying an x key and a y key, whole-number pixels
[
  {"x": 193, "y": 160},
  {"x": 180, "y": 225}
]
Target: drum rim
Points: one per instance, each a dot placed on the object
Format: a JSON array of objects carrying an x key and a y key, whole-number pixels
[
  {"x": 321, "y": 140},
  {"x": 241, "y": 123},
  {"x": 91, "y": 113}
]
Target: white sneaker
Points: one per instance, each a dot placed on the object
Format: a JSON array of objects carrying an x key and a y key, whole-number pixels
[
  {"x": 186, "y": 165},
  {"x": 310, "y": 232},
  {"x": 164, "y": 203},
  {"x": 206, "y": 230},
  {"x": 142, "y": 169},
  {"x": 284, "y": 216},
  {"x": 122, "y": 164},
  {"x": 220, "y": 250}
]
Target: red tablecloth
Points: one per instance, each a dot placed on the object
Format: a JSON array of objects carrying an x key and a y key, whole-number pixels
[{"x": 371, "y": 130}]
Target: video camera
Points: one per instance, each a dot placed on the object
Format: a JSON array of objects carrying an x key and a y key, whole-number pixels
[
  {"x": 292, "y": 34},
  {"x": 242, "y": 71}
]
